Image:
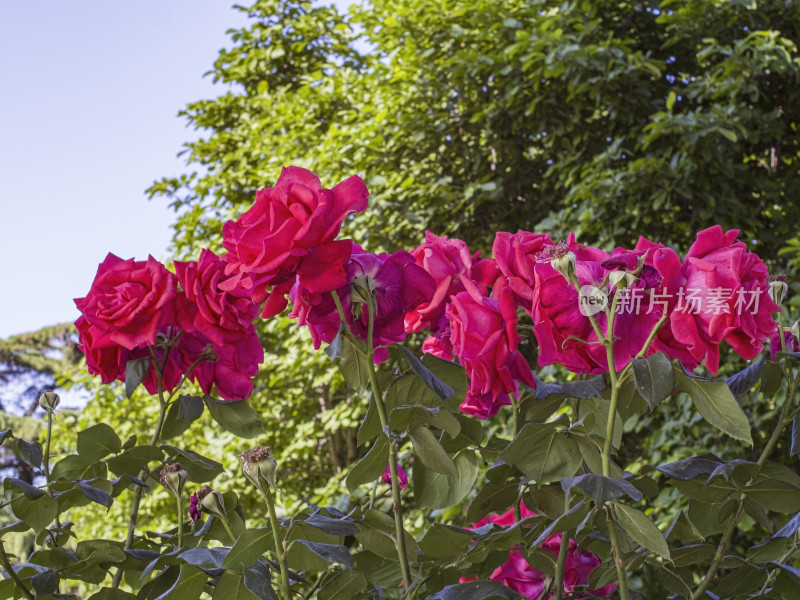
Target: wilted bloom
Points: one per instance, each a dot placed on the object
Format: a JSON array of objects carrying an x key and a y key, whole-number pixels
[
  {"x": 401, "y": 476},
  {"x": 195, "y": 501},
  {"x": 173, "y": 477},
  {"x": 259, "y": 466}
]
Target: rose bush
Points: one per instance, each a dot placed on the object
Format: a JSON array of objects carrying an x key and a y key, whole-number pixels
[{"x": 538, "y": 505}]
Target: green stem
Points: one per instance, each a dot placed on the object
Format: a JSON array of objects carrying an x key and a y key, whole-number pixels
[
  {"x": 18, "y": 583},
  {"x": 622, "y": 577},
  {"x": 727, "y": 533},
  {"x": 562, "y": 557},
  {"x": 280, "y": 551},
  {"x": 46, "y": 466},
  {"x": 179, "y": 498},
  {"x": 137, "y": 490},
  {"x": 402, "y": 555}
]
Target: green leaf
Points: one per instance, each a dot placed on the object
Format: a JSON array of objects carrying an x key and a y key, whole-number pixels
[
  {"x": 654, "y": 378},
  {"x": 199, "y": 468},
  {"x": 38, "y": 514},
  {"x": 45, "y": 584},
  {"x": 257, "y": 580},
  {"x": 641, "y": 529},
  {"x": 774, "y": 494},
  {"x": 542, "y": 453},
  {"x": 182, "y": 413},
  {"x": 112, "y": 594},
  {"x": 250, "y": 546},
  {"x": 97, "y": 442},
  {"x": 715, "y": 402},
  {"x": 795, "y": 447},
  {"x": 476, "y": 590},
  {"x": 741, "y": 581},
  {"x": 371, "y": 466},
  {"x": 231, "y": 587},
  {"x": 437, "y": 490},
  {"x": 428, "y": 450},
  {"x": 5, "y": 434},
  {"x": 569, "y": 520},
  {"x": 29, "y": 452},
  {"x": 439, "y": 387},
  {"x": 692, "y": 467},
  {"x": 402, "y": 418},
  {"x": 446, "y": 541},
  {"x": 683, "y": 529},
  {"x": 741, "y": 382},
  {"x": 189, "y": 586},
  {"x": 771, "y": 379},
  {"x": 671, "y": 97},
  {"x": 134, "y": 460},
  {"x": 493, "y": 497},
  {"x": 353, "y": 364},
  {"x": 235, "y": 416},
  {"x": 135, "y": 374},
  {"x": 31, "y": 492},
  {"x": 599, "y": 488},
  {"x": 344, "y": 586},
  {"x": 333, "y": 553},
  {"x": 696, "y": 554}
]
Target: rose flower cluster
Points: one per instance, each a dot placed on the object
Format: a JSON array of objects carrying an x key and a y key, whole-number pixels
[{"x": 198, "y": 323}]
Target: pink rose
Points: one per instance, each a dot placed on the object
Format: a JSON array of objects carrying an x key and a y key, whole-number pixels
[
  {"x": 561, "y": 323},
  {"x": 516, "y": 258},
  {"x": 446, "y": 261},
  {"x": 719, "y": 292},
  {"x": 129, "y": 302},
  {"x": 517, "y": 573},
  {"x": 791, "y": 343},
  {"x": 291, "y": 231},
  {"x": 484, "y": 337},
  {"x": 229, "y": 368},
  {"x": 220, "y": 316},
  {"x": 401, "y": 476}
]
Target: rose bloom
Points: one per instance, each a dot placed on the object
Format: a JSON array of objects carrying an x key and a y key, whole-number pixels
[
  {"x": 516, "y": 258},
  {"x": 484, "y": 337},
  {"x": 446, "y": 261},
  {"x": 129, "y": 304},
  {"x": 401, "y": 476},
  {"x": 566, "y": 335},
  {"x": 718, "y": 293},
  {"x": 291, "y": 231},
  {"x": 519, "y": 575},
  {"x": 395, "y": 282}
]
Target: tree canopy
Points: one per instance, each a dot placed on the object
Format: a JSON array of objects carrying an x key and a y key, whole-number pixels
[{"x": 612, "y": 119}]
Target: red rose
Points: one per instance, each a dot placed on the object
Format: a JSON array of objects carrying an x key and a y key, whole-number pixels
[
  {"x": 446, "y": 261},
  {"x": 516, "y": 258},
  {"x": 518, "y": 574},
  {"x": 220, "y": 316},
  {"x": 560, "y": 320},
  {"x": 719, "y": 292},
  {"x": 128, "y": 303},
  {"x": 297, "y": 219},
  {"x": 484, "y": 337}
]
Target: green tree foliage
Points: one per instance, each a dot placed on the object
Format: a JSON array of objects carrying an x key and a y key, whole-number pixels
[{"x": 610, "y": 118}]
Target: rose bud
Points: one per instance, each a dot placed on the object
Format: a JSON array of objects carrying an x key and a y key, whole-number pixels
[
  {"x": 778, "y": 288},
  {"x": 259, "y": 466},
  {"x": 195, "y": 500},
  {"x": 212, "y": 502},
  {"x": 796, "y": 330},
  {"x": 173, "y": 477},
  {"x": 560, "y": 258},
  {"x": 49, "y": 401}
]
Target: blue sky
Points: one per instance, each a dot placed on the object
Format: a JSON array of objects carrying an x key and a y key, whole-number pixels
[{"x": 90, "y": 94}]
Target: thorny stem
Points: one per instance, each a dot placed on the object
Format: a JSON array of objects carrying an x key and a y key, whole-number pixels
[
  {"x": 18, "y": 583},
  {"x": 622, "y": 578},
  {"x": 46, "y": 465},
  {"x": 179, "y": 498}
]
